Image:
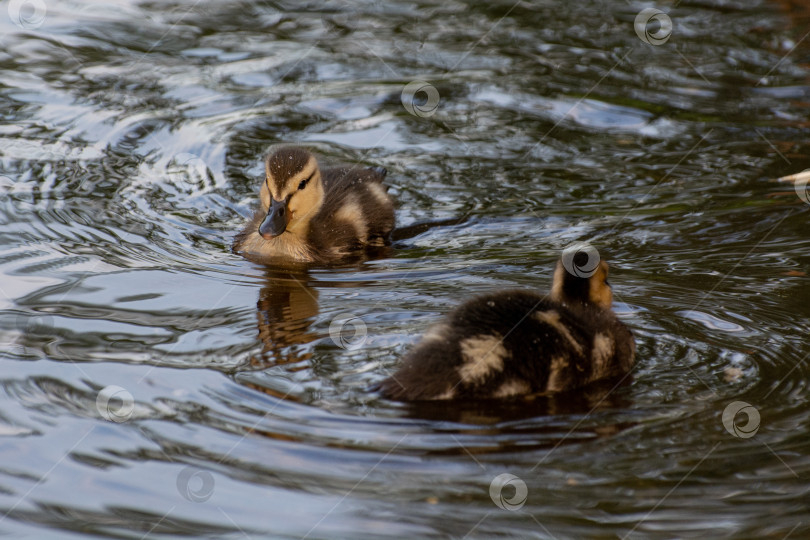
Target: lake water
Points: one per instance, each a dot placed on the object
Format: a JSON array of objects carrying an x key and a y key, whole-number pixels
[{"x": 156, "y": 385}]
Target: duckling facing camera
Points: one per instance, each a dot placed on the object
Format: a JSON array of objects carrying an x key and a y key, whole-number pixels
[
  {"x": 315, "y": 215},
  {"x": 517, "y": 343}
]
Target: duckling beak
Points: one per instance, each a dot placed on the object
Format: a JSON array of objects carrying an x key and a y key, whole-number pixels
[{"x": 275, "y": 222}]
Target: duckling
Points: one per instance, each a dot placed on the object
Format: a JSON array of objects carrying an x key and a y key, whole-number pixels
[
  {"x": 516, "y": 343},
  {"x": 314, "y": 215}
]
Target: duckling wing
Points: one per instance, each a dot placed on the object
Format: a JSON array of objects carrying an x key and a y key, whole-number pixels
[
  {"x": 357, "y": 210},
  {"x": 508, "y": 344},
  {"x": 488, "y": 347}
]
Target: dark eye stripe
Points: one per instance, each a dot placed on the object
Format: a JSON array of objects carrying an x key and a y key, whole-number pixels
[{"x": 304, "y": 183}]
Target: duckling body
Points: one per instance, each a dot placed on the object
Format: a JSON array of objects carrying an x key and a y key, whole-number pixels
[
  {"x": 515, "y": 343},
  {"x": 314, "y": 215}
]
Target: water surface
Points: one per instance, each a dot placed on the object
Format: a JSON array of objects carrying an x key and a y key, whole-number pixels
[{"x": 156, "y": 385}]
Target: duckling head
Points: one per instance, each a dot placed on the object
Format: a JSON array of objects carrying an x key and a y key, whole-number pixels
[
  {"x": 292, "y": 192},
  {"x": 581, "y": 277}
]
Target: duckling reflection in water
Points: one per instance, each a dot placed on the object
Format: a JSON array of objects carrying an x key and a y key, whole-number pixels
[
  {"x": 285, "y": 310},
  {"x": 597, "y": 396},
  {"x": 315, "y": 215},
  {"x": 519, "y": 343}
]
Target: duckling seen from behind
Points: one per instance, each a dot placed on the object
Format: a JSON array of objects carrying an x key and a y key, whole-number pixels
[
  {"x": 315, "y": 215},
  {"x": 515, "y": 343}
]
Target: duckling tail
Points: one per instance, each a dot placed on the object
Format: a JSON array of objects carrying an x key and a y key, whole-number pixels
[{"x": 404, "y": 233}]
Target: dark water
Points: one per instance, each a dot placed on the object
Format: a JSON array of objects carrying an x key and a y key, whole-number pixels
[{"x": 155, "y": 385}]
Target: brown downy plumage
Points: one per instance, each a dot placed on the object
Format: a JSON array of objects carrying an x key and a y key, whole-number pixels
[
  {"x": 314, "y": 215},
  {"x": 515, "y": 343}
]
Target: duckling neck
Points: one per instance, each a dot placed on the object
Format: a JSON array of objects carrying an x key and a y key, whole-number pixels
[
  {"x": 581, "y": 306},
  {"x": 290, "y": 244}
]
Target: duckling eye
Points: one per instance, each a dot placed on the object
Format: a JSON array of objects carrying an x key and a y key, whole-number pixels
[{"x": 303, "y": 183}]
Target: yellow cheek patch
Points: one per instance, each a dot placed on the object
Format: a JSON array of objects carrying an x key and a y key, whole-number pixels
[
  {"x": 305, "y": 204},
  {"x": 264, "y": 197},
  {"x": 281, "y": 187}
]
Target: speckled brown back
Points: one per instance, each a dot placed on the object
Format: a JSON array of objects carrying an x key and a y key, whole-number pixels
[{"x": 512, "y": 343}]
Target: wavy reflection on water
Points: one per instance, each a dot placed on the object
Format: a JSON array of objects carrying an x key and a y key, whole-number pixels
[{"x": 131, "y": 137}]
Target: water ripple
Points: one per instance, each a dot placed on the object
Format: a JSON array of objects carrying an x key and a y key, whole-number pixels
[{"x": 130, "y": 154}]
